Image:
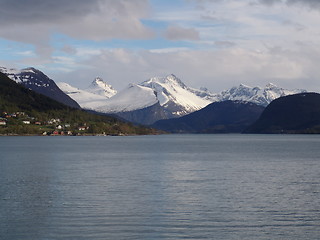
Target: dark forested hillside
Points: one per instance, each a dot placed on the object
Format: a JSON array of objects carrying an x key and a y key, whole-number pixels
[
  {"x": 219, "y": 117},
  {"x": 299, "y": 113}
]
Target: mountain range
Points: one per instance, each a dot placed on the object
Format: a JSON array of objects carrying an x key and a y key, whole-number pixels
[
  {"x": 159, "y": 98},
  {"x": 167, "y": 97}
]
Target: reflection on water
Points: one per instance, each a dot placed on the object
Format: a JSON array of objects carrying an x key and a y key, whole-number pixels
[{"x": 160, "y": 187}]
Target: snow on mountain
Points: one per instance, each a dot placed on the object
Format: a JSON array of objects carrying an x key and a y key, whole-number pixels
[
  {"x": 84, "y": 98},
  {"x": 37, "y": 81},
  {"x": 12, "y": 73},
  {"x": 176, "y": 98},
  {"x": 93, "y": 97},
  {"x": 170, "y": 92},
  {"x": 257, "y": 95},
  {"x": 132, "y": 98},
  {"x": 25, "y": 76},
  {"x": 99, "y": 87},
  {"x": 205, "y": 94}
]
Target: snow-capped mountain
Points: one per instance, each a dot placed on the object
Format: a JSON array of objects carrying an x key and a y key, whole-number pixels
[
  {"x": 85, "y": 99},
  {"x": 100, "y": 87},
  {"x": 168, "y": 96},
  {"x": 174, "y": 96},
  {"x": 170, "y": 92},
  {"x": 37, "y": 81},
  {"x": 154, "y": 99},
  {"x": 132, "y": 98},
  {"x": 92, "y": 97},
  {"x": 257, "y": 95}
]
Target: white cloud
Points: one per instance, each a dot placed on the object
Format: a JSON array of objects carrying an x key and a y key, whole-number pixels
[
  {"x": 215, "y": 69},
  {"x": 311, "y": 4},
  {"x": 249, "y": 41},
  {"x": 27, "y": 53}
]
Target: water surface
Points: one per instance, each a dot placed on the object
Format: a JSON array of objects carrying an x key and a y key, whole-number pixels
[{"x": 160, "y": 187}]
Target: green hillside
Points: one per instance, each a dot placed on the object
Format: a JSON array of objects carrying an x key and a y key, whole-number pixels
[{"x": 23, "y": 111}]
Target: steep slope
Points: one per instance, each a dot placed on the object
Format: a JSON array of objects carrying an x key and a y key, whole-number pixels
[
  {"x": 145, "y": 116},
  {"x": 85, "y": 99},
  {"x": 299, "y": 113},
  {"x": 91, "y": 98},
  {"x": 100, "y": 87},
  {"x": 174, "y": 96},
  {"x": 37, "y": 81},
  {"x": 132, "y": 98},
  {"x": 34, "y": 107},
  {"x": 219, "y": 117}
]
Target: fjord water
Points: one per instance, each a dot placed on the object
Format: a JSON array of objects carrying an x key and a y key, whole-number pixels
[{"x": 160, "y": 187}]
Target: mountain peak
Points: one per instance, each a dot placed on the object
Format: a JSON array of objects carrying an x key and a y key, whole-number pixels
[
  {"x": 174, "y": 80},
  {"x": 270, "y": 86},
  {"x": 172, "y": 77},
  {"x": 169, "y": 79},
  {"x": 31, "y": 70},
  {"x": 37, "y": 81},
  {"x": 98, "y": 80},
  {"x": 100, "y": 87},
  {"x": 243, "y": 86}
]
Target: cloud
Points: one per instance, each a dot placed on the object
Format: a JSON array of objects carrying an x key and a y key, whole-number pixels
[
  {"x": 35, "y": 11},
  {"x": 69, "y": 49},
  {"x": 215, "y": 69},
  {"x": 34, "y": 21},
  {"x": 312, "y": 4},
  {"x": 229, "y": 41},
  {"x": 176, "y": 33}
]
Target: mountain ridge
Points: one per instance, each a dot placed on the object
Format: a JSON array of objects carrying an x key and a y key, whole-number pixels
[
  {"x": 218, "y": 117},
  {"x": 37, "y": 81},
  {"x": 100, "y": 87},
  {"x": 166, "y": 90},
  {"x": 298, "y": 113},
  {"x": 169, "y": 93},
  {"x": 177, "y": 99}
]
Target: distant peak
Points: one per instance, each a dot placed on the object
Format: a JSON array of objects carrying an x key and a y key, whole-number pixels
[
  {"x": 98, "y": 79},
  {"x": 172, "y": 76},
  {"x": 244, "y": 86},
  {"x": 31, "y": 70},
  {"x": 271, "y": 85},
  {"x": 100, "y": 87},
  {"x": 204, "y": 89}
]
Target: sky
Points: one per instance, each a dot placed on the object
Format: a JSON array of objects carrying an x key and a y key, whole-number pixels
[{"x": 215, "y": 44}]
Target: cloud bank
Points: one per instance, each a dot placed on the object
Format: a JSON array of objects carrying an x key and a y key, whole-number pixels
[
  {"x": 212, "y": 43},
  {"x": 33, "y": 21}
]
